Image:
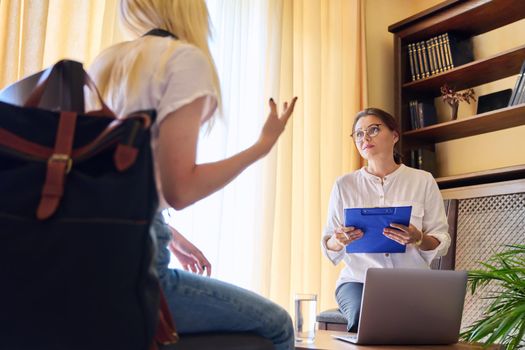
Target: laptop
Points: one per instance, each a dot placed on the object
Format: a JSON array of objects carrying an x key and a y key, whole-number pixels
[{"x": 410, "y": 306}]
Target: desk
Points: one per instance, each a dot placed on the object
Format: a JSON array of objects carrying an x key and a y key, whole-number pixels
[{"x": 324, "y": 341}]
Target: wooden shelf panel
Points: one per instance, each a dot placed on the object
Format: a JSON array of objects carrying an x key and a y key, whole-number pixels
[
  {"x": 479, "y": 124},
  {"x": 475, "y": 73},
  {"x": 469, "y": 17},
  {"x": 482, "y": 177}
]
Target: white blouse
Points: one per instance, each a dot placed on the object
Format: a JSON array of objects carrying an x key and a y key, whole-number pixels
[{"x": 405, "y": 186}]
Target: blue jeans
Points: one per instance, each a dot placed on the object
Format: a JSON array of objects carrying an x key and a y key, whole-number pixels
[
  {"x": 203, "y": 304},
  {"x": 349, "y": 297}
]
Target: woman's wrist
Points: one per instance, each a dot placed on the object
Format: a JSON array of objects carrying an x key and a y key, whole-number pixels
[
  {"x": 261, "y": 148},
  {"x": 428, "y": 243},
  {"x": 333, "y": 244},
  {"x": 420, "y": 240}
]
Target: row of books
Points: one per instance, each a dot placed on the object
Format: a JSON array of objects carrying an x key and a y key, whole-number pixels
[
  {"x": 438, "y": 54},
  {"x": 422, "y": 113},
  {"x": 425, "y": 159},
  {"x": 518, "y": 93}
]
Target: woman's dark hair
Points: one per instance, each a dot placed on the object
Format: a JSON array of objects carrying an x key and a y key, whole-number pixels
[{"x": 388, "y": 120}]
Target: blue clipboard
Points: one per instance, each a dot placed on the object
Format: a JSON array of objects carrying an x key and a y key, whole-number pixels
[{"x": 372, "y": 221}]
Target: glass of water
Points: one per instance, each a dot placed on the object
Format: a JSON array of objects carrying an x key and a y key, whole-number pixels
[{"x": 305, "y": 313}]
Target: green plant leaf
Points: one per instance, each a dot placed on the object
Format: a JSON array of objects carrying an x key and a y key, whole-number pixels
[{"x": 504, "y": 319}]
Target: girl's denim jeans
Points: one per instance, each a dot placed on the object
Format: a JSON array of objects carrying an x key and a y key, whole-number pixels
[{"x": 204, "y": 304}]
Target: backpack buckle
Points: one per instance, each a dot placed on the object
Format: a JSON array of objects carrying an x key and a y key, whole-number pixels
[{"x": 58, "y": 157}]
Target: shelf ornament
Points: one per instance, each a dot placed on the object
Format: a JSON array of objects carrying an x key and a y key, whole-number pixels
[{"x": 453, "y": 98}]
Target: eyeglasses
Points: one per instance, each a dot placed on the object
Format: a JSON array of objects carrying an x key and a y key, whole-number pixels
[{"x": 372, "y": 131}]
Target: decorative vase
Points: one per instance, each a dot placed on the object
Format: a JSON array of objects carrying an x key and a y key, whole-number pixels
[{"x": 454, "y": 111}]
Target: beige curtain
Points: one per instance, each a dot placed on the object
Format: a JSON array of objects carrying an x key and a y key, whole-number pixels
[
  {"x": 318, "y": 53},
  {"x": 34, "y": 34}
]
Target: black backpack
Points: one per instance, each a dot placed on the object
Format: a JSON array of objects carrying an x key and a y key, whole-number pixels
[{"x": 77, "y": 195}]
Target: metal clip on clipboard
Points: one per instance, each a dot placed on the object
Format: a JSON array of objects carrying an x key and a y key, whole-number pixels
[{"x": 377, "y": 211}]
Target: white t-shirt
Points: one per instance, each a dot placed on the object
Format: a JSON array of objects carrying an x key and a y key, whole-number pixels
[
  {"x": 405, "y": 186},
  {"x": 161, "y": 74}
]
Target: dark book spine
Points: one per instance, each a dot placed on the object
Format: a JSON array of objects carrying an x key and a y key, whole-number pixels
[
  {"x": 411, "y": 60},
  {"x": 446, "y": 51},
  {"x": 443, "y": 52},
  {"x": 425, "y": 59},
  {"x": 412, "y": 115},
  {"x": 426, "y": 113},
  {"x": 420, "y": 115},
  {"x": 439, "y": 65},
  {"x": 430, "y": 52},
  {"x": 427, "y": 160},
  {"x": 420, "y": 61},
  {"x": 446, "y": 43},
  {"x": 520, "y": 97},
  {"x": 460, "y": 50},
  {"x": 416, "y": 116},
  {"x": 414, "y": 59},
  {"x": 413, "y": 156},
  {"x": 513, "y": 100},
  {"x": 416, "y": 64}
]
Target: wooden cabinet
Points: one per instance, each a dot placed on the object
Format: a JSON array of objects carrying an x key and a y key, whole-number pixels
[{"x": 470, "y": 18}]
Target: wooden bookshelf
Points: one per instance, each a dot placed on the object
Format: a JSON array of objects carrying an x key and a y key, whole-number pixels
[
  {"x": 475, "y": 125},
  {"x": 468, "y": 18}
]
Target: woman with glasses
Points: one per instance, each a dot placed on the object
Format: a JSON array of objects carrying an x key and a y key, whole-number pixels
[{"x": 384, "y": 182}]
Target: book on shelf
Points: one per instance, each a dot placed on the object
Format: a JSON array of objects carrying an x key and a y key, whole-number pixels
[
  {"x": 431, "y": 59},
  {"x": 518, "y": 88},
  {"x": 414, "y": 66},
  {"x": 422, "y": 113},
  {"x": 520, "y": 95},
  {"x": 441, "y": 51},
  {"x": 420, "y": 61},
  {"x": 432, "y": 51},
  {"x": 414, "y": 122},
  {"x": 441, "y": 54},
  {"x": 411, "y": 61},
  {"x": 438, "y": 54},
  {"x": 424, "y": 54},
  {"x": 458, "y": 50},
  {"x": 424, "y": 159},
  {"x": 493, "y": 101}
]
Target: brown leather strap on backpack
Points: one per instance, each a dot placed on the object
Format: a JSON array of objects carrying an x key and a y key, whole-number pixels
[
  {"x": 125, "y": 154},
  {"x": 166, "y": 333},
  {"x": 58, "y": 165}
]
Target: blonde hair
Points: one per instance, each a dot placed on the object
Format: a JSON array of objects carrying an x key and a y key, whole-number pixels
[{"x": 188, "y": 20}]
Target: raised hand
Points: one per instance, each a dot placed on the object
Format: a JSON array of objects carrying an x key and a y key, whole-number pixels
[{"x": 275, "y": 124}]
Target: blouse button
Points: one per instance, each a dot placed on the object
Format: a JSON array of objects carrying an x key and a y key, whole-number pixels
[{"x": 387, "y": 254}]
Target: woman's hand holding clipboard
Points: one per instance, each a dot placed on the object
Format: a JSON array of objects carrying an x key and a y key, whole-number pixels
[{"x": 373, "y": 222}]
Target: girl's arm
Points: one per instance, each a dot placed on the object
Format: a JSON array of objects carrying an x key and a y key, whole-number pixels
[{"x": 185, "y": 182}]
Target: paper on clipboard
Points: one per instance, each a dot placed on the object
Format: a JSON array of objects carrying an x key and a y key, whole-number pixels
[{"x": 372, "y": 221}]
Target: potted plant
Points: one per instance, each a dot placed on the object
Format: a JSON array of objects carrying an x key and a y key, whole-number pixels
[
  {"x": 504, "y": 320},
  {"x": 453, "y": 98}
]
